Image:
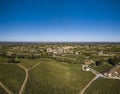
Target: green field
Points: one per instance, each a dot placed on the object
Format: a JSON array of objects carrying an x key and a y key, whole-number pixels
[
  {"x": 104, "y": 86},
  {"x": 27, "y": 63},
  {"x": 12, "y": 77},
  {"x": 2, "y": 91},
  {"x": 102, "y": 68},
  {"x": 52, "y": 77},
  {"x": 3, "y": 60}
]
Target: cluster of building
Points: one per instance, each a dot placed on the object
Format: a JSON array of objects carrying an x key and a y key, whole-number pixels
[{"x": 60, "y": 50}]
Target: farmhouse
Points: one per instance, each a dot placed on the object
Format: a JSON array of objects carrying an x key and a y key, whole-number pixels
[{"x": 85, "y": 68}]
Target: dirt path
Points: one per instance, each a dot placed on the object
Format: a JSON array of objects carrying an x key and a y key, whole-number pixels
[
  {"x": 9, "y": 92},
  {"x": 115, "y": 68},
  {"x": 26, "y": 76},
  {"x": 21, "y": 66},
  {"x": 34, "y": 66},
  {"x": 98, "y": 75},
  {"x": 24, "y": 83},
  {"x": 82, "y": 92}
]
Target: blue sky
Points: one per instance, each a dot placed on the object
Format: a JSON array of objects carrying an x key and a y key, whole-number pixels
[{"x": 60, "y": 20}]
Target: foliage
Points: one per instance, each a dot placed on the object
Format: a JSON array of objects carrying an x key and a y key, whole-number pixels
[
  {"x": 13, "y": 60},
  {"x": 114, "y": 61},
  {"x": 99, "y": 62}
]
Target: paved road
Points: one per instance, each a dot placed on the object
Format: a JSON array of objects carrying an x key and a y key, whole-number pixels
[
  {"x": 97, "y": 73},
  {"x": 9, "y": 92}
]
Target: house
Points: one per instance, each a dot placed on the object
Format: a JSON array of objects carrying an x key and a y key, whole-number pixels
[
  {"x": 49, "y": 50},
  {"x": 85, "y": 68},
  {"x": 100, "y": 53},
  {"x": 88, "y": 62}
]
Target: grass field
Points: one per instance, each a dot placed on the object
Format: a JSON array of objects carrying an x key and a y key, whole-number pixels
[
  {"x": 104, "y": 86},
  {"x": 2, "y": 91},
  {"x": 28, "y": 62},
  {"x": 52, "y": 77},
  {"x": 11, "y": 76},
  {"x": 102, "y": 68},
  {"x": 3, "y": 60}
]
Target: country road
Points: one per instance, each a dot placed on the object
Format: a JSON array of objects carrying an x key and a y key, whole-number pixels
[
  {"x": 24, "y": 83},
  {"x": 97, "y": 76},
  {"x": 115, "y": 68},
  {"x": 82, "y": 92},
  {"x": 26, "y": 76},
  {"x": 34, "y": 66}
]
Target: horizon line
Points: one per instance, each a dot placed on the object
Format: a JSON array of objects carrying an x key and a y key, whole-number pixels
[{"x": 65, "y": 41}]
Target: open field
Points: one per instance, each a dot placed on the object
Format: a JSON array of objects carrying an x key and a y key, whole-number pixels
[
  {"x": 104, "y": 86},
  {"x": 27, "y": 63},
  {"x": 57, "y": 78},
  {"x": 11, "y": 76},
  {"x": 3, "y": 60}
]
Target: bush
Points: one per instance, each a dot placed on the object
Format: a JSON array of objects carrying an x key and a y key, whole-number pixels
[
  {"x": 13, "y": 60},
  {"x": 114, "y": 61},
  {"x": 98, "y": 63}
]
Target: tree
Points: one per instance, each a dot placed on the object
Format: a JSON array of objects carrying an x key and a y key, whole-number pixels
[
  {"x": 13, "y": 60},
  {"x": 99, "y": 62},
  {"x": 114, "y": 61}
]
